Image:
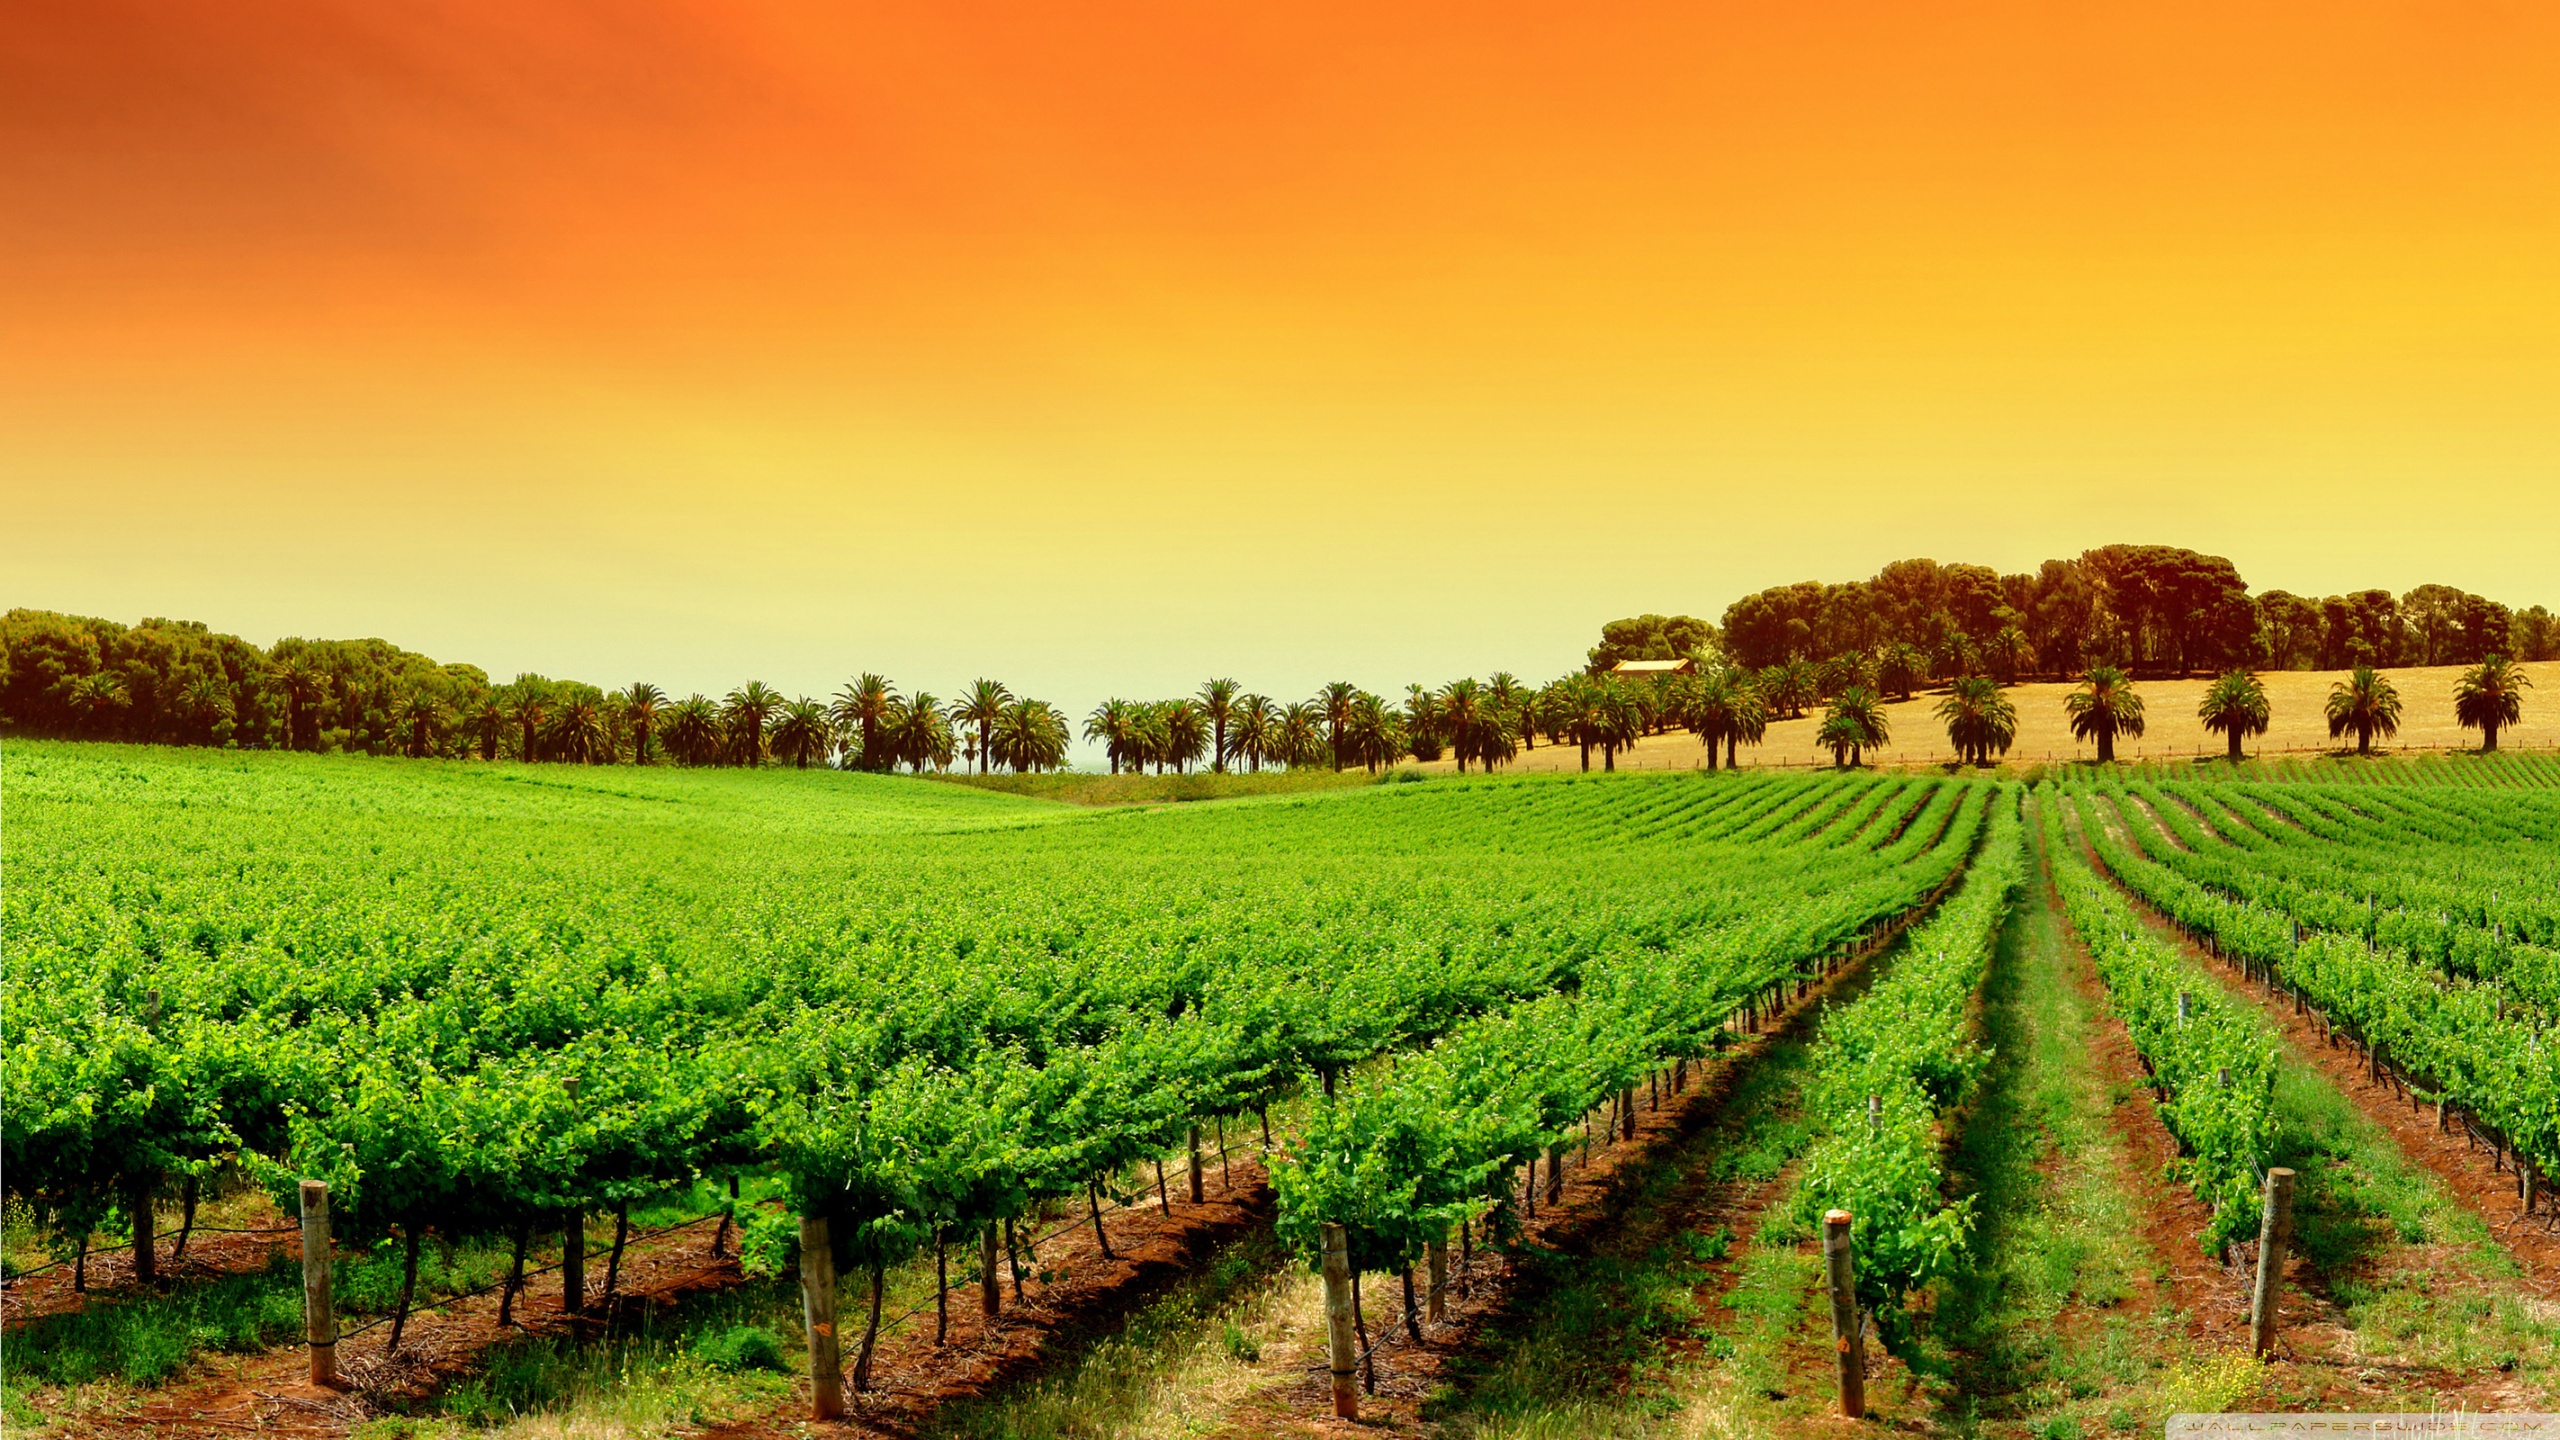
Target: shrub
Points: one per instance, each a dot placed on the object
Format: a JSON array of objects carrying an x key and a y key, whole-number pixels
[{"x": 741, "y": 1347}]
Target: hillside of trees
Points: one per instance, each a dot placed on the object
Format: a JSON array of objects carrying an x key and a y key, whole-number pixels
[{"x": 2146, "y": 609}]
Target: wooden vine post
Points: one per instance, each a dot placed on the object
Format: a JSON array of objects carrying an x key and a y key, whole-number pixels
[
  {"x": 1847, "y": 1334},
  {"x": 573, "y": 1241},
  {"x": 1197, "y": 1173},
  {"x": 1343, "y": 1357},
  {"x": 1435, "y": 1255},
  {"x": 573, "y": 1263},
  {"x": 818, "y": 1311},
  {"x": 138, "y": 1208},
  {"x": 2275, "y": 1236},
  {"x": 319, "y": 1307},
  {"x": 990, "y": 1281}
]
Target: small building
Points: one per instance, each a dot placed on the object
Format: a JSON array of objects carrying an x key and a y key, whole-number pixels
[{"x": 1648, "y": 669}]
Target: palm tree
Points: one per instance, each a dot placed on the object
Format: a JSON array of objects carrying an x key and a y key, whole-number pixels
[
  {"x": 745, "y": 715},
  {"x": 1788, "y": 687},
  {"x": 1979, "y": 719},
  {"x": 859, "y": 710},
  {"x": 304, "y": 686},
  {"x": 96, "y": 697},
  {"x": 1843, "y": 671},
  {"x": 693, "y": 731},
  {"x": 1110, "y": 723},
  {"x": 980, "y": 705},
  {"x": 1218, "y": 703},
  {"x": 1184, "y": 736},
  {"x": 1256, "y": 729},
  {"x": 1335, "y": 704},
  {"x": 640, "y": 706},
  {"x": 2488, "y": 698},
  {"x": 1571, "y": 705},
  {"x": 1030, "y": 735},
  {"x": 207, "y": 701},
  {"x": 1372, "y": 734},
  {"x": 802, "y": 733},
  {"x": 2236, "y": 705},
  {"x": 1703, "y": 705},
  {"x": 1856, "y": 719},
  {"x": 2104, "y": 707},
  {"x": 1841, "y": 734},
  {"x": 1299, "y": 738},
  {"x": 531, "y": 709},
  {"x": 2367, "y": 703},
  {"x": 489, "y": 726},
  {"x": 578, "y": 733},
  {"x": 1461, "y": 710},
  {"x": 921, "y": 734},
  {"x": 1900, "y": 668},
  {"x": 1955, "y": 656},
  {"x": 2011, "y": 654},
  {"x": 1422, "y": 728},
  {"x": 424, "y": 718}
]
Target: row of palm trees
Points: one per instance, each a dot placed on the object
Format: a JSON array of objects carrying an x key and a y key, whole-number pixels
[
  {"x": 1733, "y": 707},
  {"x": 1483, "y": 723},
  {"x": 867, "y": 726},
  {"x": 2488, "y": 698}
]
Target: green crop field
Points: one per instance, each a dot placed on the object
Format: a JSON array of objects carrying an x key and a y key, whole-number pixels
[{"x": 484, "y": 1002}]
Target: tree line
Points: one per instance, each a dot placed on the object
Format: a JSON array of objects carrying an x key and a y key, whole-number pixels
[
  {"x": 177, "y": 682},
  {"x": 2143, "y": 609}
]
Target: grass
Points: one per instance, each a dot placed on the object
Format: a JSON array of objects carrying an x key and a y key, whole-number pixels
[
  {"x": 2040, "y": 1332},
  {"x": 1137, "y": 789},
  {"x": 145, "y": 1340},
  {"x": 714, "y": 1357},
  {"x": 1174, "y": 1369}
]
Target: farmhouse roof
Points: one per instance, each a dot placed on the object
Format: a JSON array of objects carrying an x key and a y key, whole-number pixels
[{"x": 1682, "y": 666}]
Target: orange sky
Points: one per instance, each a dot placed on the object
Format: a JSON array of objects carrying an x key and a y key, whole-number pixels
[{"x": 1103, "y": 347}]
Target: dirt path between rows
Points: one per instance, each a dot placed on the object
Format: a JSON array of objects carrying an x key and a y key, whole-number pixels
[
  {"x": 2214, "y": 1297},
  {"x": 1085, "y": 1296}
]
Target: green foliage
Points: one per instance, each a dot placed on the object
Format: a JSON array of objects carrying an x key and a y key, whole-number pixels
[
  {"x": 2367, "y": 703},
  {"x": 912, "y": 1006},
  {"x": 768, "y": 1242},
  {"x": 1908, "y": 1043},
  {"x": 2214, "y": 1064},
  {"x": 1400, "y": 1157},
  {"x": 2371, "y": 908},
  {"x": 741, "y": 1347}
]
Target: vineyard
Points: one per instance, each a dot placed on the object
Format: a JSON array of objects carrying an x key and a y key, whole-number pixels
[{"x": 853, "y": 1025}]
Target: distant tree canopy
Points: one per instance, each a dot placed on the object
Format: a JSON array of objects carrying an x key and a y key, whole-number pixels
[
  {"x": 1650, "y": 637},
  {"x": 2144, "y": 608}
]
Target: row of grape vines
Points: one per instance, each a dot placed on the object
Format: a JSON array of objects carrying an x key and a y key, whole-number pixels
[
  {"x": 2211, "y": 1057},
  {"x": 2454, "y": 1035},
  {"x": 1887, "y": 1067}
]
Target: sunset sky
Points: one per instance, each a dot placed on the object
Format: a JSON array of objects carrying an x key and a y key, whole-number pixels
[{"x": 1105, "y": 347}]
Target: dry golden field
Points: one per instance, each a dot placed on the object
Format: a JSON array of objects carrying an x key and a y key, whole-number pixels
[{"x": 2295, "y": 700}]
